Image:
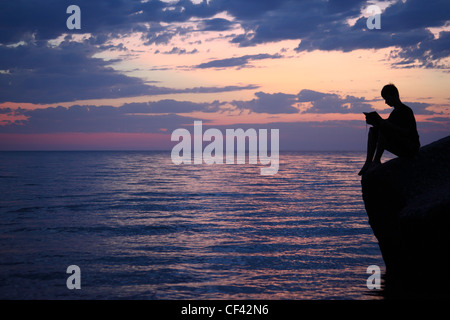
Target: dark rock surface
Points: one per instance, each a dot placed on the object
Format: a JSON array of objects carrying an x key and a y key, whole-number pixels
[{"x": 408, "y": 204}]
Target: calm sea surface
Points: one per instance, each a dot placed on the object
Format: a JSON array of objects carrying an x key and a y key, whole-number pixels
[{"x": 140, "y": 227}]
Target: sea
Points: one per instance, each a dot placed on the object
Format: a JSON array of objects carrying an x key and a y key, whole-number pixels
[{"x": 140, "y": 227}]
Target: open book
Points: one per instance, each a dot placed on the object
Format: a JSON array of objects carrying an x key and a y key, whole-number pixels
[{"x": 372, "y": 117}]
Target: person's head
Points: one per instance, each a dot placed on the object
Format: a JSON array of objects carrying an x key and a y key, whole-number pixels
[{"x": 390, "y": 95}]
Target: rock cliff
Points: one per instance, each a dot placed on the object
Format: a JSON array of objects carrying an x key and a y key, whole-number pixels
[{"x": 408, "y": 205}]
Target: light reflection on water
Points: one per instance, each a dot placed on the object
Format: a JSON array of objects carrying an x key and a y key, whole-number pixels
[{"x": 141, "y": 227}]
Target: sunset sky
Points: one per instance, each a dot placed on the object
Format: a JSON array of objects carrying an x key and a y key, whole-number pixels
[{"x": 137, "y": 70}]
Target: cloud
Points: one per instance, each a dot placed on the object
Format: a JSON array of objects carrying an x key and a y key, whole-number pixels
[
  {"x": 104, "y": 19},
  {"x": 217, "y": 24},
  {"x": 320, "y": 25},
  {"x": 39, "y": 73},
  {"x": 409, "y": 15},
  {"x": 215, "y": 89},
  {"x": 241, "y": 62},
  {"x": 145, "y": 116},
  {"x": 6, "y": 110},
  {"x": 90, "y": 119},
  {"x": 269, "y": 103},
  {"x": 443, "y": 119},
  {"x": 323, "y": 25},
  {"x": 171, "y": 106},
  {"x": 333, "y": 103},
  {"x": 176, "y": 50},
  {"x": 157, "y": 33},
  {"x": 149, "y": 116},
  {"x": 130, "y": 117},
  {"x": 291, "y": 20},
  {"x": 420, "y": 107},
  {"x": 45, "y": 20},
  {"x": 404, "y": 25},
  {"x": 42, "y": 74},
  {"x": 313, "y": 102},
  {"x": 426, "y": 53},
  {"x": 159, "y": 116},
  {"x": 310, "y": 101}
]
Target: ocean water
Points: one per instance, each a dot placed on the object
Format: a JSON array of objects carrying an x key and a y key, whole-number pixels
[{"x": 140, "y": 227}]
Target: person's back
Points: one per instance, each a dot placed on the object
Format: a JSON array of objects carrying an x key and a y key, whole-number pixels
[{"x": 403, "y": 116}]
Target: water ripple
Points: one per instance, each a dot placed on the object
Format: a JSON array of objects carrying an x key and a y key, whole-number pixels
[{"x": 141, "y": 227}]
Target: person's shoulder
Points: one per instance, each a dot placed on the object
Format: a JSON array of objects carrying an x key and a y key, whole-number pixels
[{"x": 405, "y": 108}]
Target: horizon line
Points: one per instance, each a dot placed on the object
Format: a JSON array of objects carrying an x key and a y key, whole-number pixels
[{"x": 156, "y": 150}]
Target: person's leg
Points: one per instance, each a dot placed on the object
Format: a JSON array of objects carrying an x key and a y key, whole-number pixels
[
  {"x": 381, "y": 146},
  {"x": 383, "y": 138},
  {"x": 401, "y": 147},
  {"x": 396, "y": 142},
  {"x": 372, "y": 142}
]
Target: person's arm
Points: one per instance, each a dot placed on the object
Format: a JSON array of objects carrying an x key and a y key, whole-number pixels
[
  {"x": 407, "y": 126},
  {"x": 386, "y": 124},
  {"x": 373, "y": 118}
]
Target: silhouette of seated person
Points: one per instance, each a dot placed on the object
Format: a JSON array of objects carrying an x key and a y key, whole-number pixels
[{"x": 396, "y": 134}]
